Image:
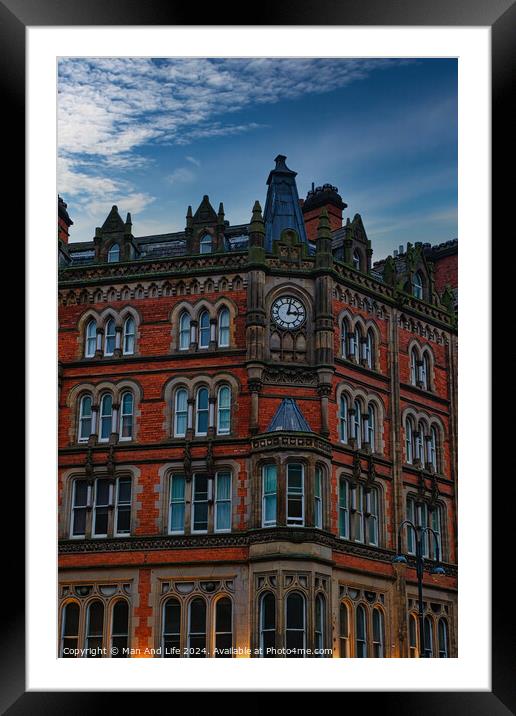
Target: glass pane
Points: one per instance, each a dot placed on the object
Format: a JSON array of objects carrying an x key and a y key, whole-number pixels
[
  {"x": 102, "y": 492},
  {"x": 268, "y": 611},
  {"x": 201, "y": 516},
  {"x": 177, "y": 517},
  {"x": 295, "y": 478},
  {"x": 223, "y": 486},
  {"x": 95, "y": 619},
  {"x": 224, "y": 615},
  {"x": 295, "y": 611},
  {"x": 201, "y": 487},
  {"x": 123, "y": 521},
  {"x": 178, "y": 487},
  {"x": 269, "y": 481},
  {"x": 101, "y": 521},
  {"x": 120, "y": 618},
  {"x": 124, "y": 491},
  {"x": 172, "y": 617},
  {"x": 79, "y": 522},
  {"x": 71, "y": 619},
  {"x": 81, "y": 493},
  {"x": 223, "y": 516}
]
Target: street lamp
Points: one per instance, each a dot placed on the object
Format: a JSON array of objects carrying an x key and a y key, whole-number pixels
[{"x": 420, "y": 568}]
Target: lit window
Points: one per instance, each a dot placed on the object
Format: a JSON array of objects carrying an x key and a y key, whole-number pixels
[
  {"x": 269, "y": 480},
  {"x": 361, "y": 633},
  {"x": 94, "y": 629},
  {"x": 129, "y": 334},
  {"x": 181, "y": 413},
  {"x": 123, "y": 506},
  {"x": 91, "y": 339},
  {"x": 428, "y": 629},
  {"x": 106, "y": 417},
  {"x": 267, "y": 624},
  {"x": 223, "y": 502},
  {"x": 200, "y": 503},
  {"x": 224, "y": 328},
  {"x": 224, "y": 410},
  {"x": 177, "y": 504},
  {"x": 113, "y": 254},
  {"x": 223, "y": 628},
  {"x": 85, "y": 418},
  {"x": 204, "y": 330},
  {"x": 70, "y": 630},
  {"x": 206, "y": 244},
  {"x": 120, "y": 629},
  {"x": 443, "y": 638},
  {"x": 295, "y": 492},
  {"x": 197, "y": 629},
  {"x": 417, "y": 285},
  {"x": 344, "y": 630},
  {"x": 413, "y": 637},
  {"x": 295, "y": 632},
  {"x": 202, "y": 412},
  {"x": 378, "y": 634},
  {"x": 171, "y": 629},
  {"x": 126, "y": 416},
  {"x": 110, "y": 338},
  {"x": 318, "y": 502},
  {"x": 184, "y": 332},
  {"x": 320, "y": 623}
]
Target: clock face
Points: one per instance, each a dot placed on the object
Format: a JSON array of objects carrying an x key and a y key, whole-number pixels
[{"x": 288, "y": 312}]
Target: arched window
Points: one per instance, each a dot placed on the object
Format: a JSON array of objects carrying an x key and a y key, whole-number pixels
[
  {"x": 177, "y": 504},
  {"x": 356, "y": 260},
  {"x": 180, "y": 413},
  {"x": 371, "y": 427},
  {"x": 201, "y": 495},
  {"x": 295, "y": 632},
  {"x": 85, "y": 418},
  {"x": 206, "y": 244},
  {"x": 443, "y": 638},
  {"x": 344, "y": 338},
  {"x": 110, "y": 338},
  {"x": 94, "y": 629},
  {"x": 197, "y": 628},
  {"x": 343, "y": 419},
  {"x": 223, "y": 502},
  {"x": 129, "y": 333},
  {"x": 360, "y": 633},
  {"x": 320, "y": 624},
  {"x": 417, "y": 285},
  {"x": 79, "y": 508},
  {"x": 204, "y": 330},
  {"x": 184, "y": 332},
  {"x": 318, "y": 498},
  {"x": 123, "y": 506},
  {"x": 435, "y": 520},
  {"x": 432, "y": 448},
  {"x": 223, "y": 628},
  {"x": 106, "y": 417},
  {"x": 223, "y": 328},
  {"x": 70, "y": 630},
  {"x": 224, "y": 410},
  {"x": 269, "y": 495},
  {"x": 356, "y": 337},
  {"x": 369, "y": 349},
  {"x": 171, "y": 629},
  {"x": 91, "y": 339},
  {"x": 202, "y": 412},
  {"x": 343, "y": 508},
  {"x": 425, "y": 372},
  {"x": 344, "y": 630},
  {"x": 413, "y": 366},
  {"x": 428, "y": 629},
  {"x": 267, "y": 624},
  {"x": 409, "y": 437},
  {"x": 357, "y": 423},
  {"x": 113, "y": 254},
  {"x": 126, "y": 416},
  {"x": 295, "y": 495},
  {"x": 378, "y": 634},
  {"x": 120, "y": 629},
  {"x": 418, "y": 443},
  {"x": 413, "y": 637}
]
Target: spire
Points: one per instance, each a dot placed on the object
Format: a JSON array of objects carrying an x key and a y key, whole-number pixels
[
  {"x": 113, "y": 223},
  {"x": 256, "y": 235},
  {"x": 128, "y": 223},
  {"x": 220, "y": 214},
  {"x": 282, "y": 210}
]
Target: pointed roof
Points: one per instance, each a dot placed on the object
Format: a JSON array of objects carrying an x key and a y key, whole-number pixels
[
  {"x": 205, "y": 213},
  {"x": 288, "y": 417},
  {"x": 282, "y": 210}
]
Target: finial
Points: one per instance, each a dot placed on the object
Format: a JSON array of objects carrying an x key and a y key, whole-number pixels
[{"x": 324, "y": 229}]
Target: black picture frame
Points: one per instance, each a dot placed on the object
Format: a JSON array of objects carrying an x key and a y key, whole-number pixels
[{"x": 500, "y": 16}]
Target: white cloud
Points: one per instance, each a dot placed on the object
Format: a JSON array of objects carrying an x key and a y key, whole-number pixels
[
  {"x": 193, "y": 160},
  {"x": 183, "y": 175}
]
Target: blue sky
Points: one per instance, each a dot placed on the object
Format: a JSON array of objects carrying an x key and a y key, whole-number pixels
[{"x": 154, "y": 135}]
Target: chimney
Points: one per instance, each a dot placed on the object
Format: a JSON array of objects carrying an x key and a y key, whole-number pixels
[
  {"x": 63, "y": 221},
  {"x": 318, "y": 198}
]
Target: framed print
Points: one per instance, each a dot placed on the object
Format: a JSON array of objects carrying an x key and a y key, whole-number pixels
[{"x": 270, "y": 436}]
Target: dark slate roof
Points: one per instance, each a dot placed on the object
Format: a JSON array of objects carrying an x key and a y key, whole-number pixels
[
  {"x": 288, "y": 417},
  {"x": 282, "y": 210}
]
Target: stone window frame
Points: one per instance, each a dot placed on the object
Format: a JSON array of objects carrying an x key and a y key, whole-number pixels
[
  {"x": 194, "y": 310},
  {"x": 353, "y": 394},
  {"x": 379, "y": 489},
  {"x": 444, "y": 546},
  {"x": 185, "y": 601},
  {"x": 109, "y": 604},
  {"x": 427, "y": 421},
  {"x": 347, "y": 323},
  {"x": 422, "y": 351},
  {"x": 101, "y": 319},
  {"x": 351, "y": 639},
  {"x": 435, "y": 619},
  {"x": 97, "y": 391}
]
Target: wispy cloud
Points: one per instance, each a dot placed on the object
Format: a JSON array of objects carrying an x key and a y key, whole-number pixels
[{"x": 182, "y": 175}]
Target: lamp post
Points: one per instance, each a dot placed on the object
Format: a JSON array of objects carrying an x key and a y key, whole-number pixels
[{"x": 400, "y": 558}]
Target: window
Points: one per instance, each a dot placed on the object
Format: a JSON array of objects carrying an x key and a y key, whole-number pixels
[
  {"x": 343, "y": 419},
  {"x": 295, "y": 632},
  {"x": 129, "y": 333},
  {"x": 357, "y": 513},
  {"x": 432, "y": 448},
  {"x": 357, "y": 424},
  {"x": 91, "y": 339},
  {"x": 79, "y": 508},
  {"x": 200, "y": 503},
  {"x": 344, "y": 339},
  {"x": 368, "y": 349},
  {"x": 318, "y": 500},
  {"x": 429, "y": 637},
  {"x": 442, "y": 629},
  {"x": 126, "y": 416},
  {"x": 206, "y": 244},
  {"x": 418, "y": 443},
  {"x": 171, "y": 629},
  {"x": 101, "y": 507},
  {"x": 355, "y": 344},
  {"x": 424, "y": 372},
  {"x": 320, "y": 623},
  {"x": 413, "y": 637},
  {"x": 343, "y": 508},
  {"x": 378, "y": 634},
  {"x": 422, "y": 516},
  {"x": 184, "y": 332},
  {"x": 224, "y": 410},
  {"x": 202, "y": 412},
  {"x": 361, "y": 633},
  {"x": 344, "y": 630},
  {"x": 85, "y": 418},
  {"x": 113, "y": 254},
  {"x": 356, "y": 260},
  {"x": 267, "y": 624},
  {"x": 413, "y": 367},
  {"x": 224, "y": 328},
  {"x": 417, "y": 285},
  {"x": 94, "y": 629},
  {"x": 123, "y": 506},
  {"x": 409, "y": 437},
  {"x": 70, "y": 629},
  {"x": 120, "y": 628},
  {"x": 106, "y": 417},
  {"x": 222, "y": 502},
  {"x": 204, "y": 330},
  {"x": 197, "y": 628},
  {"x": 295, "y": 494},
  {"x": 269, "y": 491},
  {"x": 371, "y": 516},
  {"x": 371, "y": 427},
  {"x": 181, "y": 413},
  {"x": 177, "y": 504},
  {"x": 223, "y": 628},
  {"x": 110, "y": 338}
]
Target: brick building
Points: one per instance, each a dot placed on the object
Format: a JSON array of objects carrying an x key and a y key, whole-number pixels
[{"x": 247, "y": 414}]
